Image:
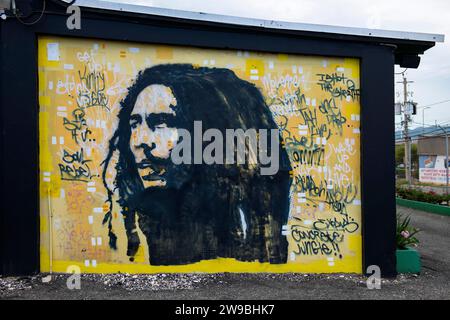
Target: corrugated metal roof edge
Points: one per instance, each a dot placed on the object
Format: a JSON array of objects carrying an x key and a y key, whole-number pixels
[{"x": 261, "y": 23}]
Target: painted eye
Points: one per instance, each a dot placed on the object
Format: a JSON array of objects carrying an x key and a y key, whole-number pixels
[
  {"x": 134, "y": 124},
  {"x": 161, "y": 126}
]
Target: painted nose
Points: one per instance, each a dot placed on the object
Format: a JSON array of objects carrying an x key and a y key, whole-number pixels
[{"x": 147, "y": 149}]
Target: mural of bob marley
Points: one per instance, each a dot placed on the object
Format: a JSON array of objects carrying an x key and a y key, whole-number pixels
[{"x": 194, "y": 212}]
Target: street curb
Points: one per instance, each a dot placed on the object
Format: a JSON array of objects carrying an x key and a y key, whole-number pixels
[{"x": 428, "y": 207}]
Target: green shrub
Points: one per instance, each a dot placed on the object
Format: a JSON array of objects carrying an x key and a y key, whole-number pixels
[
  {"x": 405, "y": 233},
  {"x": 418, "y": 195}
]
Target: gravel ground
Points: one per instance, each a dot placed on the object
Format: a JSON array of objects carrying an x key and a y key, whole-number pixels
[{"x": 433, "y": 282}]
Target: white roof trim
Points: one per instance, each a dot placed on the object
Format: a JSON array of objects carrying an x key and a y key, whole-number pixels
[{"x": 200, "y": 16}]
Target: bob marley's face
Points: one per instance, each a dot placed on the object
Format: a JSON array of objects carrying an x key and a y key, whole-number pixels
[{"x": 153, "y": 134}]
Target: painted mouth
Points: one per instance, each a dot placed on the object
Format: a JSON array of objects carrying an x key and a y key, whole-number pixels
[
  {"x": 148, "y": 172},
  {"x": 153, "y": 177}
]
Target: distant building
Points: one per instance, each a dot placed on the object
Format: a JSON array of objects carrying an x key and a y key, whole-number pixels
[{"x": 432, "y": 155}]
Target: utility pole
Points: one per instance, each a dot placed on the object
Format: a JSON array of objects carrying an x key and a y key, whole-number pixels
[{"x": 407, "y": 111}]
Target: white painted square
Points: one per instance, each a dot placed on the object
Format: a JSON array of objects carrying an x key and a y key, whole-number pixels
[
  {"x": 348, "y": 98},
  {"x": 205, "y": 62},
  {"x": 62, "y": 193},
  {"x": 292, "y": 256},
  {"x": 357, "y": 202},
  {"x": 98, "y": 210},
  {"x": 321, "y": 206},
  {"x": 340, "y": 69},
  {"x": 324, "y": 141},
  {"x": 308, "y": 101},
  {"x": 212, "y": 62},
  {"x": 91, "y": 190},
  {"x": 303, "y": 132},
  {"x": 325, "y": 169},
  {"x": 134, "y": 50},
  {"x": 294, "y": 69},
  {"x": 271, "y": 65},
  {"x": 99, "y": 241},
  {"x": 307, "y": 222},
  {"x": 53, "y": 51},
  {"x": 330, "y": 187},
  {"x": 318, "y": 140},
  {"x": 117, "y": 67},
  {"x": 94, "y": 263},
  {"x": 352, "y": 142},
  {"x": 300, "y": 69},
  {"x": 93, "y": 242},
  {"x": 86, "y": 263},
  {"x": 46, "y": 179},
  {"x": 54, "y": 140},
  {"x": 254, "y": 71},
  {"x": 303, "y": 127},
  {"x": 298, "y": 209},
  {"x": 254, "y": 77},
  {"x": 91, "y": 220},
  {"x": 325, "y": 63},
  {"x": 356, "y": 131},
  {"x": 68, "y": 66},
  {"x": 313, "y": 102},
  {"x": 50, "y": 85},
  {"x": 47, "y": 174},
  {"x": 61, "y": 140}
]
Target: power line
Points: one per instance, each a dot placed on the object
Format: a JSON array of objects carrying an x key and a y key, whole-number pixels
[
  {"x": 422, "y": 138},
  {"x": 403, "y": 72},
  {"x": 434, "y": 104},
  {"x": 436, "y": 129},
  {"x": 420, "y": 134},
  {"x": 35, "y": 21},
  {"x": 431, "y": 125}
]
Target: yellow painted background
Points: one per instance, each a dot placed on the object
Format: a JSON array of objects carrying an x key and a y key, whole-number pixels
[{"x": 76, "y": 209}]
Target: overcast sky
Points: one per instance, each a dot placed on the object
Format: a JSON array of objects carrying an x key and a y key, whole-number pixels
[{"x": 431, "y": 80}]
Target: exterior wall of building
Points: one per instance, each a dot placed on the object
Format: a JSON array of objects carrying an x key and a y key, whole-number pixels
[
  {"x": 431, "y": 146},
  {"x": 100, "y": 212}
]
